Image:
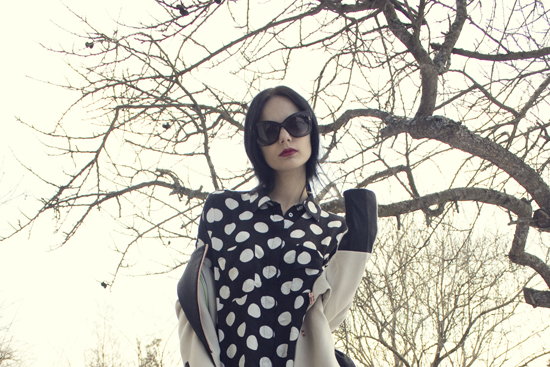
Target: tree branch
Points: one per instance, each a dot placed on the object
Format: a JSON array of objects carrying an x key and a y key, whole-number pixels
[
  {"x": 522, "y": 55},
  {"x": 459, "y": 137},
  {"x": 519, "y": 207}
]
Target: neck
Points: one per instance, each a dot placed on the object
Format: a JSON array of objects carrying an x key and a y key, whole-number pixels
[{"x": 290, "y": 189}]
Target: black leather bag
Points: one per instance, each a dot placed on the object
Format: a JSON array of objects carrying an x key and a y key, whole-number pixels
[{"x": 343, "y": 360}]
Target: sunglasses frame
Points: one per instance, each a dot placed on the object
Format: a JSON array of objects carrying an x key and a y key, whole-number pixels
[{"x": 308, "y": 118}]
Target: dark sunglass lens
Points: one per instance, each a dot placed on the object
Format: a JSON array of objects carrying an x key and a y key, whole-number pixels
[
  {"x": 268, "y": 132},
  {"x": 299, "y": 126}
]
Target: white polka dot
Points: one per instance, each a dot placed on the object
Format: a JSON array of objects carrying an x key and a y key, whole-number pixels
[
  {"x": 276, "y": 218},
  {"x": 253, "y": 197},
  {"x": 288, "y": 223},
  {"x": 200, "y": 243},
  {"x": 335, "y": 224},
  {"x": 241, "y": 329},
  {"x": 242, "y": 236},
  {"x": 326, "y": 241},
  {"x": 234, "y": 273},
  {"x": 297, "y": 284},
  {"x": 273, "y": 243},
  {"x": 230, "y": 319},
  {"x": 259, "y": 252},
  {"x": 246, "y": 215},
  {"x": 225, "y": 292},
  {"x": 315, "y": 229},
  {"x": 231, "y": 351},
  {"x": 339, "y": 236},
  {"x": 304, "y": 258},
  {"x": 230, "y": 228},
  {"x": 232, "y": 248},
  {"x": 310, "y": 245},
  {"x": 221, "y": 263},
  {"x": 252, "y": 342},
  {"x": 294, "y": 333},
  {"x": 261, "y": 227},
  {"x": 298, "y": 302},
  {"x": 221, "y": 335},
  {"x": 246, "y": 255},
  {"x": 216, "y": 273},
  {"x": 257, "y": 281},
  {"x": 265, "y": 362},
  {"x": 254, "y": 310},
  {"x": 241, "y": 301},
  {"x": 266, "y": 332},
  {"x": 324, "y": 214},
  {"x": 285, "y": 318},
  {"x": 289, "y": 363},
  {"x": 297, "y": 233},
  {"x": 285, "y": 288},
  {"x": 290, "y": 257},
  {"x": 310, "y": 271},
  {"x": 311, "y": 207},
  {"x": 282, "y": 350},
  {"x": 306, "y": 215},
  {"x": 248, "y": 285},
  {"x": 263, "y": 200},
  {"x": 267, "y": 302},
  {"x": 231, "y": 203},
  {"x": 245, "y": 197},
  {"x": 242, "y": 360},
  {"x": 269, "y": 272},
  {"x": 217, "y": 244},
  {"x": 219, "y": 306},
  {"x": 214, "y": 215}
]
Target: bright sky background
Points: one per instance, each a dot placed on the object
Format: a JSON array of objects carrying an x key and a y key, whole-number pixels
[{"x": 54, "y": 298}]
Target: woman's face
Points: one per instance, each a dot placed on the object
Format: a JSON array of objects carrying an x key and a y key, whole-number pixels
[{"x": 287, "y": 153}]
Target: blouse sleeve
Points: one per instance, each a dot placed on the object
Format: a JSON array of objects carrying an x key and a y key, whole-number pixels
[
  {"x": 346, "y": 268},
  {"x": 208, "y": 213}
]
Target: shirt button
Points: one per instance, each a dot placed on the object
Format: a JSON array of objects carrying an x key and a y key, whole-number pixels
[{"x": 290, "y": 215}]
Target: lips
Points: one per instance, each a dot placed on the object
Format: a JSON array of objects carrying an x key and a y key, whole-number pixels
[{"x": 287, "y": 152}]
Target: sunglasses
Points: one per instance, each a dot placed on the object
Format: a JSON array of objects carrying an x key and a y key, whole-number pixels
[{"x": 298, "y": 125}]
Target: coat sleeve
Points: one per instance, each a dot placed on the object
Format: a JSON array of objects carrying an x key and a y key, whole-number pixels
[
  {"x": 346, "y": 268},
  {"x": 195, "y": 308}
]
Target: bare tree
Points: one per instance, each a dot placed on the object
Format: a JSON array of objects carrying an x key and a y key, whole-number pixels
[
  {"x": 10, "y": 356},
  {"x": 109, "y": 351},
  {"x": 154, "y": 354},
  {"x": 440, "y": 297},
  {"x": 431, "y": 104}
]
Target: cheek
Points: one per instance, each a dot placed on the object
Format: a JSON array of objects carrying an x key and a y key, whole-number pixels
[
  {"x": 306, "y": 144},
  {"x": 266, "y": 153},
  {"x": 263, "y": 150}
]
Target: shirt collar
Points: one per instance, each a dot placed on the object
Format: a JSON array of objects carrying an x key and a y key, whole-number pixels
[{"x": 259, "y": 197}]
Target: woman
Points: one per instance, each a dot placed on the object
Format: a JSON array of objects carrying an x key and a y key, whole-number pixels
[{"x": 273, "y": 274}]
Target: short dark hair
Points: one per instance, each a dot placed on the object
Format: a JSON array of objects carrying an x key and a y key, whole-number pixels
[{"x": 264, "y": 173}]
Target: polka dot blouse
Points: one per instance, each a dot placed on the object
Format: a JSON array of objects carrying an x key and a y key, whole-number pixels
[{"x": 264, "y": 264}]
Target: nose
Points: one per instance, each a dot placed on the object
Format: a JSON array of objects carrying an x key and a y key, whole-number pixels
[{"x": 284, "y": 135}]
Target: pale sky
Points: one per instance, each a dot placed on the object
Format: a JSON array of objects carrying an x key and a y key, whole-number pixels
[{"x": 54, "y": 298}]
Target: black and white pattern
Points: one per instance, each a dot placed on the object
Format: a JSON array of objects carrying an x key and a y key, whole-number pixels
[{"x": 264, "y": 268}]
